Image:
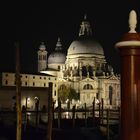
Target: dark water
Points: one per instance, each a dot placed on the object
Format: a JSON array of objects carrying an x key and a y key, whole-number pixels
[
  {"x": 8, "y": 132},
  {"x": 83, "y": 129}
]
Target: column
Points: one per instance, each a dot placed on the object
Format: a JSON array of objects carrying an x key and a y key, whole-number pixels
[{"x": 129, "y": 48}]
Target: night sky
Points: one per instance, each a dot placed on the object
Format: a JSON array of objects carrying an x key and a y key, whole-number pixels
[{"x": 32, "y": 23}]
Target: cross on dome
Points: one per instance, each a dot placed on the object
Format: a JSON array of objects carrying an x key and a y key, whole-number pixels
[{"x": 85, "y": 17}]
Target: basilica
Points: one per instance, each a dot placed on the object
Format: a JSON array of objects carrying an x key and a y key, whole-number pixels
[
  {"x": 83, "y": 69},
  {"x": 80, "y": 76}
]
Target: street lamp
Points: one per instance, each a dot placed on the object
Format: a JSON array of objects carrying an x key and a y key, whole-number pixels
[
  {"x": 36, "y": 103},
  {"x": 36, "y": 109},
  {"x": 97, "y": 101}
]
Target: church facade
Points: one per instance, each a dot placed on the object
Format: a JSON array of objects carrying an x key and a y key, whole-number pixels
[
  {"x": 83, "y": 68},
  {"x": 83, "y": 71}
]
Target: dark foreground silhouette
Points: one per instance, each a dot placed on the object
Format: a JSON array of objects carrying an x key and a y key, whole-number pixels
[{"x": 66, "y": 132}]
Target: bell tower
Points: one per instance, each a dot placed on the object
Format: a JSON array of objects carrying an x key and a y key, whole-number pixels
[{"x": 42, "y": 57}]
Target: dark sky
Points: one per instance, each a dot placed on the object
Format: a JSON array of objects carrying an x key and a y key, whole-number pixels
[{"x": 32, "y": 23}]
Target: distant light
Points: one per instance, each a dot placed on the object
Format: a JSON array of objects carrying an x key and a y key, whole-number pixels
[
  {"x": 28, "y": 113},
  {"x": 36, "y": 98},
  {"x": 66, "y": 115},
  {"x": 67, "y": 100},
  {"x": 97, "y": 101},
  {"x": 28, "y": 99}
]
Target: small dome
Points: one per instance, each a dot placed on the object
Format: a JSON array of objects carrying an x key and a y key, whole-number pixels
[
  {"x": 42, "y": 47},
  {"x": 85, "y": 46},
  {"x": 57, "y": 58}
]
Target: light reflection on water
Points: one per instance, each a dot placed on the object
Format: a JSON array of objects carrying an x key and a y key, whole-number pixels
[{"x": 32, "y": 117}]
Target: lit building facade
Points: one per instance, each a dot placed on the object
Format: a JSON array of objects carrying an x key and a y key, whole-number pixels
[
  {"x": 84, "y": 68},
  {"x": 33, "y": 86}
]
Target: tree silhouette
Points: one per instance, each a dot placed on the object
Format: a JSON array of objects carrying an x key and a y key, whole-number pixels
[{"x": 67, "y": 92}]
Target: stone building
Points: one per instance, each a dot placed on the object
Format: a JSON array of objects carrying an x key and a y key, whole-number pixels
[
  {"x": 33, "y": 87},
  {"x": 83, "y": 68}
]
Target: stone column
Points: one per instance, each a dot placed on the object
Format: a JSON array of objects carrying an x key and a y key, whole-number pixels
[{"x": 129, "y": 48}]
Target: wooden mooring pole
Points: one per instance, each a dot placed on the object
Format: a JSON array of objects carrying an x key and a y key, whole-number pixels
[
  {"x": 73, "y": 116},
  {"x": 99, "y": 112},
  {"x": 102, "y": 102},
  {"x": 108, "y": 136},
  {"x": 59, "y": 113},
  {"x": 93, "y": 112},
  {"x": 53, "y": 110},
  {"x": 85, "y": 115},
  {"x": 50, "y": 116},
  {"x": 129, "y": 48},
  {"x": 18, "y": 94}
]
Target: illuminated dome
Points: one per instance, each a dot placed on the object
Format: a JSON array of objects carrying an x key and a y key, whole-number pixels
[
  {"x": 57, "y": 57},
  {"x": 85, "y": 45}
]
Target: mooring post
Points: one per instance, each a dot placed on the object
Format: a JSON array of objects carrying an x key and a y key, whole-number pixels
[
  {"x": 85, "y": 115},
  {"x": 108, "y": 136},
  {"x": 49, "y": 130},
  {"x": 93, "y": 112},
  {"x": 18, "y": 94},
  {"x": 129, "y": 48},
  {"x": 102, "y": 100},
  {"x": 99, "y": 104},
  {"x": 73, "y": 116},
  {"x": 59, "y": 113}
]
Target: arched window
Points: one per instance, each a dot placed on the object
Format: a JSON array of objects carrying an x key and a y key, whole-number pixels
[
  {"x": 97, "y": 95},
  {"x": 6, "y": 82},
  {"x": 84, "y": 71},
  {"x": 90, "y": 70},
  {"x": 44, "y": 57},
  {"x": 40, "y": 57},
  {"x": 25, "y": 83},
  {"x": 110, "y": 94},
  {"x": 58, "y": 67},
  {"x": 88, "y": 87},
  {"x": 33, "y": 83},
  {"x": 55, "y": 93}
]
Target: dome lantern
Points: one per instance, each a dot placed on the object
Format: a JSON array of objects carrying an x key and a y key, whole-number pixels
[
  {"x": 58, "y": 45},
  {"x": 85, "y": 28},
  {"x": 42, "y": 46}
]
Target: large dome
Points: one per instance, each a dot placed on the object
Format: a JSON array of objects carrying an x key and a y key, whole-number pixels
[
  {"x": 57, "y": 58},
  {"x": 85, "y": 46}
]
